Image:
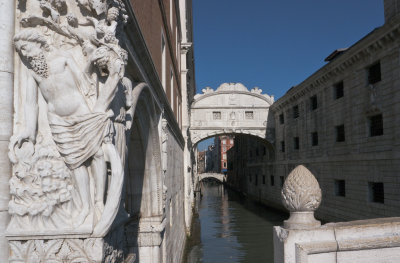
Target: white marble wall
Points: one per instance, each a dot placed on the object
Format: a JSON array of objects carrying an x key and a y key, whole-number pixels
[{"x": 7, "y": 10}]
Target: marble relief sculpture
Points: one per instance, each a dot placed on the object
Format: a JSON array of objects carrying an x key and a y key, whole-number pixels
[{"x": 68, "y": 118}]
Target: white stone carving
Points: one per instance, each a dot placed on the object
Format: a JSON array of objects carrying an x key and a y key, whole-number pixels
[
  {"x": 57, "y": 250},
  {"x": 230, "y": 108},
  {"x": 72, "y": 112},
  {"x": 301, "y": 195}
]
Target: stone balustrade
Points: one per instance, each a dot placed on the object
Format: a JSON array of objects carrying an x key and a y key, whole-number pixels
[{"x": 303, "y": 239}]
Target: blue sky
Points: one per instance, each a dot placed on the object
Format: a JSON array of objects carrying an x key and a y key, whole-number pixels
[{"x": 274, "y": 44}]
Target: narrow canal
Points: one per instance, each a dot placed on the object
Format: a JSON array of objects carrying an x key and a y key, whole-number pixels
[{"x": 229, "y": 228}]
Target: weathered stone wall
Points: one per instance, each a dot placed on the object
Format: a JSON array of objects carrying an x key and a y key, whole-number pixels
[
  {"x": 361, "y": 159},
  {"x": 6, "y": 100},
  {"x": 175, "y": 234}
]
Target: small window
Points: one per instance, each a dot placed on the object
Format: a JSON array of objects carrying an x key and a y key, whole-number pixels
[
  {"x": 224, "y": 156},
  {"x": 338, "y": 91},
  {"x": 282, "y": 180},
  {"x": 314, "y": 138},
  {"x": 256, "y": 181},
  {"x": 224, "y": 142},
  {"x": 283, "y": 146},
  {"x": 216, "y": 115},
  {"x": 224, "y": 164},
  {"x": 281, "y": 119},
  {"x": 272, "y": 180},
  {"x": 249, "y": 114},
  {"x": 376, "y": 125},
  {"x": 340, "y": 188},
  {"x": 314, "y": 102},
  {"x": 263, "y": 179},
  {"x": 374, "y": 73},
  {"x": 296, "y": 143},
  {"x": 264, "y": 151},
  {"x": 296, "y": 112},
  {"x": 340, "y": 135},
  {"x": 376, "y": 192}
]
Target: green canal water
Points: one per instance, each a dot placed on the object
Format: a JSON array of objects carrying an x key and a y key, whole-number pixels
[{"x": 230, "y": 228}]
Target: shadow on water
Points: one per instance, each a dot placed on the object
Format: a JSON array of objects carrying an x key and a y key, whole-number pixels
[{"x": 230, "y": 228}]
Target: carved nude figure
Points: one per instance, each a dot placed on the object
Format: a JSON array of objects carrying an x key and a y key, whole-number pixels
[{"x": 79, "y": 130}]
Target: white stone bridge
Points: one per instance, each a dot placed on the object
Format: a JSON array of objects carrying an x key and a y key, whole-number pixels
[
  {"x": 219, "y": 177},
  {"x": 231, "y": 109}
]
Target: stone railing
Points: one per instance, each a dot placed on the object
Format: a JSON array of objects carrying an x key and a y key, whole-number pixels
[{"x": 302, "y": 238}]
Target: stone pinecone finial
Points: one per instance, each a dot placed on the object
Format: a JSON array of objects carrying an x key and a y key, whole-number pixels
[{"x": 301, "y": 195}]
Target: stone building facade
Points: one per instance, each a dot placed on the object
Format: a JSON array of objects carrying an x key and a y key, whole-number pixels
[{"x": 342, "y": 124}]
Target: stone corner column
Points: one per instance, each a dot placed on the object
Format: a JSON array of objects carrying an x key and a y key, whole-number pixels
[{"x": 7, "y": 11}]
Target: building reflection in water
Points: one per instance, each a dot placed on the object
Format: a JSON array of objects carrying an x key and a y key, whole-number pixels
[{"x": 228, "y": 228}]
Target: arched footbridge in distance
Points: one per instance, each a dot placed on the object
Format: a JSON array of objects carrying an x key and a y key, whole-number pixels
[{"x": 219, "y": 177}]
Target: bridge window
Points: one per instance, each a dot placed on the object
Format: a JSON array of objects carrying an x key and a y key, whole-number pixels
[
  {"x": 296, "y": 143},
  {"x": 296, "y": 113},
  {"x": 374, "y": 73},
  {"x": 272, "y": 180},
  {"x": 281, "y": 119},
  {"x": 263, "y": 179},
  {"x": 216, "y": 115},
  {"x": 338, "y": 90},
  {"x": 340, "y": 135},
  {"x": 283, "y": 146},
  {"x": 314, "y": 102},
  {"x": 314, "y": 138},
  {"x": 375, "y": 125},
  {"x": 376, "y": 192},
  {"x": 249, "y": 114},
  {"x": 340, "y": 187}
]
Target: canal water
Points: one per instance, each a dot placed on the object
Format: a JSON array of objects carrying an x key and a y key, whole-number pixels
[{"x": 230, "y": 228}]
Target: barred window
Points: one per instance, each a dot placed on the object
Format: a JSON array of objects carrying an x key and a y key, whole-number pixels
[
  {"x": 283, "y": 146},
  {"x": 374, "y": 73},
  {"x": 340, "y": 188},
  {"x": 249, "y": 114},
  {"x": 376, "y": 125},
  {"x": 216, "y": 115},
  {"x": 338, "y": 90},
  {"x": 296, "y": 112},
  {"x": 314, "y": 138},
  {"x": 376, "y": 192},
  {"x": 340, "y": 135},
  {"x": 296, "y": 143},
  {"x": 314, "y": 102},
  {"x": 281, "y": 119}
]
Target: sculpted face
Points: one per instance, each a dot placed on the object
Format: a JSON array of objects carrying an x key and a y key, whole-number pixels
[{"x": 29, "y": 49}]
